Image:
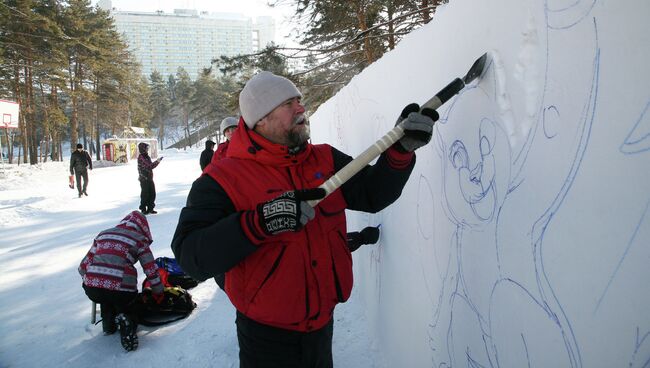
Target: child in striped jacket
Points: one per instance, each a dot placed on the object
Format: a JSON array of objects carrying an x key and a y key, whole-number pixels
[{"x": 111, "y": 280}]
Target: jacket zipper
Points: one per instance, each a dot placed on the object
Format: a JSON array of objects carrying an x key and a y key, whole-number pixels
[{"x": 307, "y": 307}]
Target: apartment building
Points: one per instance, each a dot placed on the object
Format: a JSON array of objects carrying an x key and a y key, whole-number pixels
[{"x": 188, "y": 38}]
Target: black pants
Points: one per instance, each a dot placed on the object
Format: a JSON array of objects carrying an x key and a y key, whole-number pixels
[
  {"x": 81, "y": 174},
  {"x": 147, "y": 195},
  {"x": 262, "y": 346},
  {"x": 113, "y": 302}
]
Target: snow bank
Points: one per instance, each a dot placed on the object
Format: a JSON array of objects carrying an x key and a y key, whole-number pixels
[{"x": 522, "y": 237}]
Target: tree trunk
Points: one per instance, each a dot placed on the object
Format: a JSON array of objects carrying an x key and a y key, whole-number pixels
[
  {"x": 96, "y": 118},
  {"x": 391, "y": 26},
  {"x": 26, "y": 131},
  {"x": 363, "y": 26},
  {"x": 74, "y": 137},
  {"x": 74, "y": 122},
  {"x": 21, "y": 117},
  {"x": 46, "y": 125},
  {"x": 32, "y": 141},
  {"x": 57, "y": 152},
  {"x": 11, "y": 146},
  {"x": 426, "y": 13},
  {"x": 186, "y": 117},
  {"x": 161, "y": 132},
  {"x": 10, "y": 153}
]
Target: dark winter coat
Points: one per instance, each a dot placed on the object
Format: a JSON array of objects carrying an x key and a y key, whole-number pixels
[
  {"x": 80, "y": 161},
  {"x": 146, "y": 166},
  {"x": 109, "y": 262},
  {"x": 292, "y": 280},
  {"x": 206, "y": 154}
]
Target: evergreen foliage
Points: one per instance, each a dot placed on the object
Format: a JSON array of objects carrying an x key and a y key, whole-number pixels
[
  {"x": 338, "y": 39},
  {"x": 76, "y": 81}
]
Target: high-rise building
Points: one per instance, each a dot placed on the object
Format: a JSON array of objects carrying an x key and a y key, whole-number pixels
[
  {"x": 189, "y": 39},
  {"x": 264, "y": 30}
]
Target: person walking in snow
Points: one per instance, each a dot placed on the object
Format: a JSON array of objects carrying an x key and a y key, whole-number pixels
[
  {"x": 206, "y": 154},
  {"x": 110, "y": 279},
  {"x": 80, "y": 163},
  {"x": 228, "y": 126},
  {"x": 287, "y": 264},
  {"x": 145, "y": 175}
]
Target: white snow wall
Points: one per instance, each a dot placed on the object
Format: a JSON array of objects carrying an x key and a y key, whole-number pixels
[{"x": 522, "y": 238}]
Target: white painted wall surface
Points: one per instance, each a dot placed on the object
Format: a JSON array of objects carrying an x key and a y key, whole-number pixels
[{"x": 523, "y": 235}]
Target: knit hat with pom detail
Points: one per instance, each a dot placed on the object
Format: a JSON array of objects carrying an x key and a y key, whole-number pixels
[{"x": 263, "y": 93}]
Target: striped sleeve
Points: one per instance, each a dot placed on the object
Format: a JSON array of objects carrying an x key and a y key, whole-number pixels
[
  {"x": 150, "y": 269},
  {"x": 88, "y": 259}
]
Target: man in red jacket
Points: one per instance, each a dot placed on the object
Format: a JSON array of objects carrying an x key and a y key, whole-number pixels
[
  {"x": 287, "y": 264},
  {"x": 228, "y": 126}
]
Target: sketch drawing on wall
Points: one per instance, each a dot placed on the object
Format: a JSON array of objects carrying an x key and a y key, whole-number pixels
[
  {"x": 521, "y": 238},
  {"x": 638, "y": 140},
  {"x": 498, "y": 306}
]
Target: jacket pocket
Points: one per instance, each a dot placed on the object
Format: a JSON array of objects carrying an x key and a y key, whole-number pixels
[
  {"x": 341, "y": 266},
  {"x": 279, "y": 297},
  {"x": 270, "y": 273}
]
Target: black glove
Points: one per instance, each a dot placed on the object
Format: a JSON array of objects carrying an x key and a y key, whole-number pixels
[
  {"x": 356, "y": 239},
  {"x": 370, "y": 235},
  {"x": 418, "y": 127},
  {"x": 289, "y": 211}
]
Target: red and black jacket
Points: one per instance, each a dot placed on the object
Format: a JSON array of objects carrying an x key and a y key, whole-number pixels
[
  {"x": 292, "y": 280},
  {"x": 220, "y": 153}
]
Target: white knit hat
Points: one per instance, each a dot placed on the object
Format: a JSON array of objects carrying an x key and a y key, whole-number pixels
[
  {"x": 263, "y": 93},
  {"x": 228, "y": 122}
]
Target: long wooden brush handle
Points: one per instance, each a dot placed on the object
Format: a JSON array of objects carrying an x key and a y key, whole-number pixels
[{"x": 333, "y": 183}]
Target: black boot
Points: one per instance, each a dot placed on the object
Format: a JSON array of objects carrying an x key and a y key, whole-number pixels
[{"x": 128, "y": 336}]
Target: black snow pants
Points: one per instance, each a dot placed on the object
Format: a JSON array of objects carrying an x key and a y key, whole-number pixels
[
  {"x": 262, "y": 346},
  {"x": 79, "y": 174},
  {"x": 147, "y": 195},
  {"x": 112, "y": 303}
]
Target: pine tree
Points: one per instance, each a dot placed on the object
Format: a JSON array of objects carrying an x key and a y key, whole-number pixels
[{"x": 159, "y": 100}]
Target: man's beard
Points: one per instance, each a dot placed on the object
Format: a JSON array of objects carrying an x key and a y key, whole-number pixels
[{"x": 298, "y": 138}]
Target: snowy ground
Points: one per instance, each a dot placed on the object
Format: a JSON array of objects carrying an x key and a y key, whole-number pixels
[{"x": 45, "y": 230}]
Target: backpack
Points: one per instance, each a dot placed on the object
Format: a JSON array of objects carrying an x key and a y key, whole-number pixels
[
  {"x": 175, "y": 275},
  {"x": 176, "y": 305},
  {"x": 171, "y": 274}
]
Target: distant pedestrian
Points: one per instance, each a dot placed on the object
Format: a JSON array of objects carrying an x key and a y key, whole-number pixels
[
  {"x": 206, "y": 154},
  {"x": 145, "y": 175},
  {"x": 110, "y": 279},
  {"x": 228, "y": 126},
  {"x": 80, "y": 163}
]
